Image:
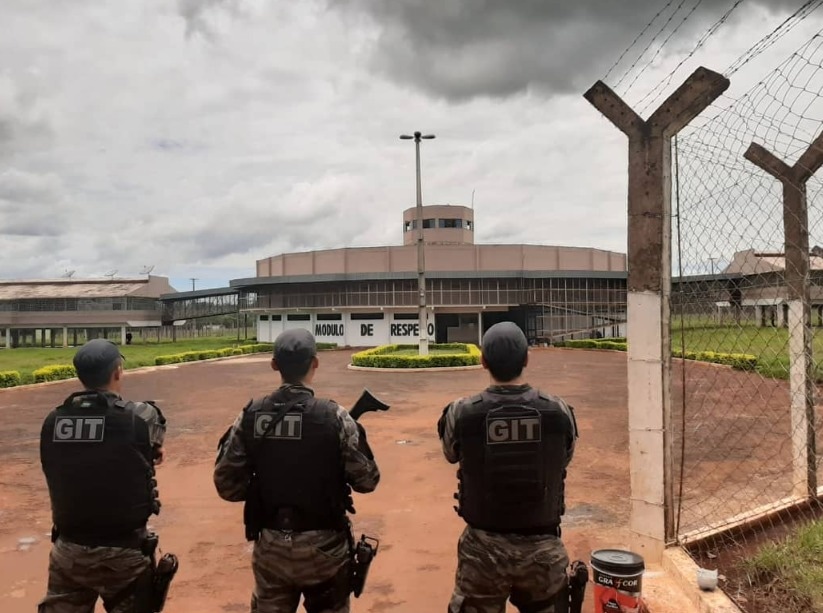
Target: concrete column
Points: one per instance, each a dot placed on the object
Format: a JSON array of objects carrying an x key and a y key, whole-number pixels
[
  {"x": 648, "y": 298},
  {"x": 122, "y": 335},
  {"x": 758, "y": 316},
  {"x": 796, "y": 276},
  {"x": 479, "y": 328},
  {"x": 8, "y": 338},
  {"x": 65, "y": 336}
]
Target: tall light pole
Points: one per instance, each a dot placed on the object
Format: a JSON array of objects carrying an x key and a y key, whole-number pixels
[{"x": 423, "y": 342}]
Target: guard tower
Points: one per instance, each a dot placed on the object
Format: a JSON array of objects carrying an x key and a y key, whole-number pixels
[{"x": 443, "y": 224}]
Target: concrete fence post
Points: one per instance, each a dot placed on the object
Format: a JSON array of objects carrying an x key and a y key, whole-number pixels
[
  {"x": 796, "y": 278},
  {"x": 649, "y": 291}
]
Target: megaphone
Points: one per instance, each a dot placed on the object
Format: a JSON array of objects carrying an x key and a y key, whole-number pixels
[{"x": 367, "y": 402}]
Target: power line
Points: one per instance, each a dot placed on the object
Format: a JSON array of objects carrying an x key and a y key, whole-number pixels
[
  {"x": 664, "y": 83},
  {"x": 634, "y": 42}
]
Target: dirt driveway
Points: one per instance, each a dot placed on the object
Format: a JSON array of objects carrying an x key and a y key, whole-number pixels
[{"x": 411, "y": 511}]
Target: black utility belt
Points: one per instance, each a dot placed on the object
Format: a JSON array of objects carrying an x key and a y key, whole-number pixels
[
  {"x": 293, "y": 525},
  {"x": 550, "y": 530},
  {"x": 132, "y": 540}
]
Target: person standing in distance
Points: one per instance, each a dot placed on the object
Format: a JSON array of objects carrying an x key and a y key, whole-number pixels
[
  {"x": 513, "y": 443},
  {"x": 305, "y": 453},
  {"x": 98, "y": 453}
]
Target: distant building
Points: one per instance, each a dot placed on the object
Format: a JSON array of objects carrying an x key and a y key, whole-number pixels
[
  {"x": 752, "y": 287},
  {"x": 367, "y": 296},
  {"x": 55, "y": 312}
]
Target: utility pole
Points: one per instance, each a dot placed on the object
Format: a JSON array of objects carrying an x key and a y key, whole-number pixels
[{"x": 423, "y": 341}]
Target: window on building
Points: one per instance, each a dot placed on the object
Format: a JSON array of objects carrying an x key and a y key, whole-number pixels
[
  {"x": 428, "y": 223},
  {"x": 365, "y": 316},
  {"x": 468, "y": 224},
  {"x": 299, "y": 317},
  {"x": 264, "y": 318},
  {"x": 276, "y": 317},
  {"x": 450, "y": 223},
  {"x": 329, "y": 316}
]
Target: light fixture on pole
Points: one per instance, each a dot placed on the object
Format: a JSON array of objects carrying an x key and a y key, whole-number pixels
[{"x": 423, "y": 342}]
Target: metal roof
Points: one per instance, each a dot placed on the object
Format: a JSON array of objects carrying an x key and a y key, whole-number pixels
[
  {"x": 68, "y": 288},
  {"x": 387, "y": 276}
]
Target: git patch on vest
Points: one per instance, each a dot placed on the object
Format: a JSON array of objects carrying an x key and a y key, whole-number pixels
[
  {"x": 77, "y": 429},
  {"x": 290, "y": 427},
  {"x": 508, "y": 428}
]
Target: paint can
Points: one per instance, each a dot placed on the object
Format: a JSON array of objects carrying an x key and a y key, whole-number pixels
[{"x": 618, "y": 580}]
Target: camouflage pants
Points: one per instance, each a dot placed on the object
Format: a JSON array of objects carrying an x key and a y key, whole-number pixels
[
  {"x": 314, "y": 564},
  {"x": 78, "y": 575},
  {"x": 492, "y": 568}
]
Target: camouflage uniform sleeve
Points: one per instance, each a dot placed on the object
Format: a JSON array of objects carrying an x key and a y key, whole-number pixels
[
  {"x": 153, "y": 416},
  {"x": 447, "y": 431},
  {"x": 360, "y": 468},
  {"x": 231, "y": 469},
  {"x": 573, "y": 432}
]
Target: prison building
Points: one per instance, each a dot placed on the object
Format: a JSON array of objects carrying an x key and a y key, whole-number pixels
[
  {"x": 368, "y": 296},
  {"x": 63, "y": 312},
  {"x": 751, "y": 288}
]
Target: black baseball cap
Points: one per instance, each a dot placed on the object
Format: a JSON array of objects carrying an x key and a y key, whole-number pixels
[
  {"x": 294, "y": 347},
  {"x": 96, "y": 360},
  {"x": 504, "y": 344}
]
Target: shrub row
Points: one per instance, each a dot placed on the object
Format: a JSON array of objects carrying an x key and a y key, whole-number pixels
[
  {"x": 740, "y": 361},
  {"x": 618, "y": 345},
  {"x": 58, "y": 372},
  {"x": 194, "y": 356},
  {"x": 385, "y": 357},
  {"x": 55, "y": 372},
  {"x": 9, "y": 378}
]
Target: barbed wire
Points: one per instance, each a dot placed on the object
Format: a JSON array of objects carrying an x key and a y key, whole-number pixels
[
  {"x": 665, "y": 42},
  {"x": 770, "y": 39},
  {"x": 657, "y": 90},
  {"x": 650, "y": 43},
  {"x": 634, "y": 42}
]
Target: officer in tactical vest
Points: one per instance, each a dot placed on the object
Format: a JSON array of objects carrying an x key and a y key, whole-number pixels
[
  {"x": 513, "y": 443},
  {"x": 98, "y": 453},
  {"x": 292, "y": 458}
]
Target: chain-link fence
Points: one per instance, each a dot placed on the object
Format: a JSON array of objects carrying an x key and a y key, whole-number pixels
[{"x": 746, "y": 316}]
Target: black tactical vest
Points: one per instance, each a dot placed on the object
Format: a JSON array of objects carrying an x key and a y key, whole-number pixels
[
  {"x": 97, "y": 458},
  {"x": 299, "y": 464},
  {"x": 514, "y": 451}
]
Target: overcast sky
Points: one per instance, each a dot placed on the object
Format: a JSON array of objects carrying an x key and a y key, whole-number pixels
[{"x": 200, "y": 135}]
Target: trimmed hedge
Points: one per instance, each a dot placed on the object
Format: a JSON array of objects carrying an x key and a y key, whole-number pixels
[
  {"x": 739, "y": 361},
  {"x": 10, "y": 378},
  {"x": 384, "y": 357},
  {"x": 194, "y": 356},
  {"x": 57, "y": 372}
]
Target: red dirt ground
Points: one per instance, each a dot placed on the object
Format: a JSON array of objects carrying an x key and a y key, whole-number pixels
[{"x": 411, "y": 511}]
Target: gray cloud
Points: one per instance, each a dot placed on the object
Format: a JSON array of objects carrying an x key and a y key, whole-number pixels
[
  {"x": 196, "y": 14},
  {"x": 30, "y": 205},
  {"x": 460, "y": 49}
]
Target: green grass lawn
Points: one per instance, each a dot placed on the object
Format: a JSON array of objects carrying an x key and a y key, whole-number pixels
[
  {"x": 770, "y": 345},
  {"x": 792, "y": 570},
  {"x": 27, "y": 359}
]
